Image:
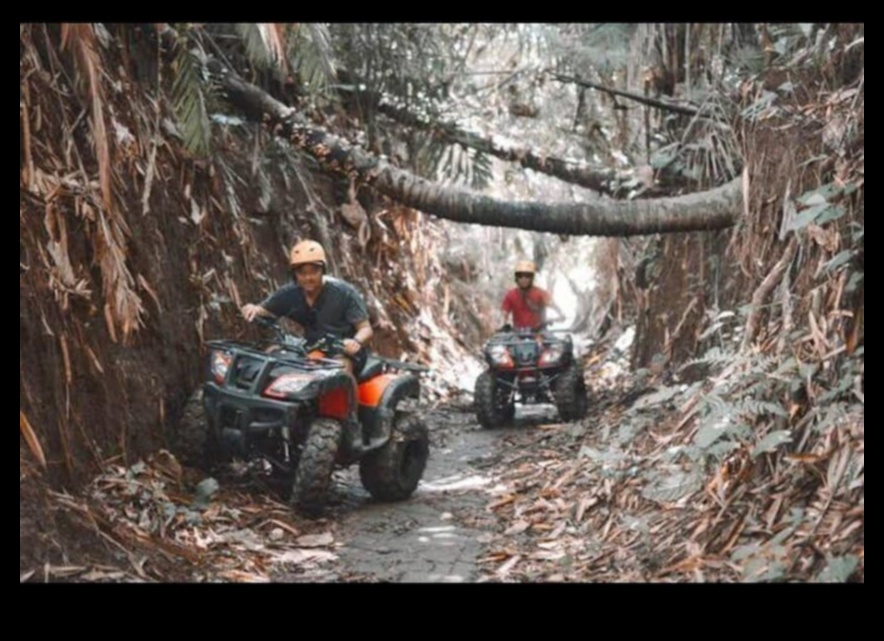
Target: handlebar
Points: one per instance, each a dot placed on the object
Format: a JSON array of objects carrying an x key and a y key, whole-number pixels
[{"x": 330, "y": 343}]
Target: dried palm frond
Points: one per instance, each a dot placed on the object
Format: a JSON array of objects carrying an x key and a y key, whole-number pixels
[
  {"x": 81, "y": 37},
  {"x": 264, "y": 43}
]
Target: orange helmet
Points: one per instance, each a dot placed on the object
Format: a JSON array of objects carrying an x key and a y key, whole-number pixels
[
  {"x": 526, "y": 267},
  {"x": 307, "y": 251}
]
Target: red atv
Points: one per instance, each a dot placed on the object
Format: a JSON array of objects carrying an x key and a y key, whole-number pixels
[
  {"x": 291, "y": 412},
  {"x": 529, "y": 366}
]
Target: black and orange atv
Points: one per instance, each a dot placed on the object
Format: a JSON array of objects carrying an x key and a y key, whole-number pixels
[
  {"x": 291, "y": 411},
  {"x": 529, "y": 366}
]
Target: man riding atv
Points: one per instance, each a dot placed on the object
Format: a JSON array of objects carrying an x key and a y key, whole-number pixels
[
  {"x": 292, "y": 410},
  {"x": 529, "y": 364},
  {"x": 320, "y": 304},
  {"x": 527, "y": 303}
]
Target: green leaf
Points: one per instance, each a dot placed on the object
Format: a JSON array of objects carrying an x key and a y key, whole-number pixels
[
  {"x": 831, "y": 213},
  {"x": 135, "y": 470},
  {"x": 743, "y": 552},
  {"x": 838, "y": 569},
  {"x": 721, "y": 449},
  {"x": 204, "y": 492},
  {"x": 772, "y": 441},
  {"x": 824, "y": 193},
  {"x": 838, "y": 260},
  {"x": 813, "y": 160},
  {"x": 661, "y": 161},
  {"x": 853, "y": 282},
  {"x": 808, "y": 216},
  {"x": 843, "y": 386},
  {"x": 673, "y": 488},
  {"x": 711, "y": 431}
]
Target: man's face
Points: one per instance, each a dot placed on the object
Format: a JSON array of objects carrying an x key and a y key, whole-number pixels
[
  {"x": 524, "y": 279},
  {"x": 309, "y": 277}
]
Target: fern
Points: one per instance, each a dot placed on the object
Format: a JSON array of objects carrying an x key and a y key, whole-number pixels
[
  {"x": 312, "y": 57},
  {"x": 753, "y": 408},
  {"x": 715, "y": 356},
  {"x": 190, "y": 92}
]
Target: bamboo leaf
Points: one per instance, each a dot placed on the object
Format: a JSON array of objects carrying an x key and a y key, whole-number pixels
[
  {"x": 839, "y": 259},
  {"x": 808, "y": 216}
]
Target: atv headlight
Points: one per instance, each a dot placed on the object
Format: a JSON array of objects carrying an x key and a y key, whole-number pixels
[
  {"x": 219, "y": 364},
  {"x": 552, "y": 355},
  {"x": 500, "y": 356},
  {"x": 288, "y": 384}
]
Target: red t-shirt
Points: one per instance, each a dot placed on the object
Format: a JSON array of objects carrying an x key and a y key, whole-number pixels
[{"x": 527, "y": 307}]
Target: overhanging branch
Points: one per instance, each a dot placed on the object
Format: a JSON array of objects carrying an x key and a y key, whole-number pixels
[{"x": 711, "y": 210}]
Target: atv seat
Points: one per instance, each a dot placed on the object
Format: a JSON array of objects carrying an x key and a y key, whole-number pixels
[{"x": 373, "y": 367}]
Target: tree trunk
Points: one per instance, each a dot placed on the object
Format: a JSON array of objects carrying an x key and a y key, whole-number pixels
[{"x": 705, "y": 211}]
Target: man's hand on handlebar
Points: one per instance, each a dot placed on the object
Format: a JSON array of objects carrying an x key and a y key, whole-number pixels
[
  {"x": 351, "y": 346},
  {"x": 250, "y": 312}
]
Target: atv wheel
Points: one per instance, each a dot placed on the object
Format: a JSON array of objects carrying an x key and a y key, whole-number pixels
[
  {"x": 572, "y": 399},
  {"x": 491, "y": 409},
  {"x": 315, "y": 466},
  {"x": 393, "y": 472},
  {"x": 191, "y": 440}
]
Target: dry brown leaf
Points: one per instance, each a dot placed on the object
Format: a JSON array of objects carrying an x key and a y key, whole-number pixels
[
  {"x": 819, "y": 339},
  {"x": 507, "y": 567},
  {"x": 549, "y": 545},
  {"x": 31, "y": 438},
  {"x": 109, "y": 321},
  {"x": 65, "y": 570},
  {"x": 68, "y": 375},
  {"x": 281, "y": 524},
  {"x": 274, "y": 39},
  {"x": 98, "y": 575},
  {"x": 241, "y": 576},
  {"x": 501, "y": 502},
  {"x": 497, "y": 556},
  {"x": 315, "y": 540},
  {"x": 517, "y": 528},
  {"x": 585, "y": 504}
]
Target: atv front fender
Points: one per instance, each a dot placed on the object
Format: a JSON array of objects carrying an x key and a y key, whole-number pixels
[{"x": 378, "y": 399}]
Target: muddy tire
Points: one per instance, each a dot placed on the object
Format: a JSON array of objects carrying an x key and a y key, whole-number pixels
[
  {"x": 392, "y": 473},
  {"x": 190, "y": 439},
  {"x": 490, "y": 411},
  {"x": 572, "y": 398},
  {"x": 315, "y": 466}
]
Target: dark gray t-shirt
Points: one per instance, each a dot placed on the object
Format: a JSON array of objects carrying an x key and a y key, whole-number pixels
[{"x": 339, "y": 307}]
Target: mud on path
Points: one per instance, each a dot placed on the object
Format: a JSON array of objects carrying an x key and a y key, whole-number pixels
[{"x": 437, "y": 535}]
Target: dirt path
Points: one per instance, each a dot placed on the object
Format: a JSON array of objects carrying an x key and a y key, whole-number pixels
[{"x": 436, "y": 536}]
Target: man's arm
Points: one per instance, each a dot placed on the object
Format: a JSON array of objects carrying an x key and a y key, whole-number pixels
[
  {"x": 357, "y": 314},
  {"x": 364, "y": 332},
  {"x": 251, "y": 311},
  {"x": 506, "y": 309},
  {"x": 272, "y": 306}
]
